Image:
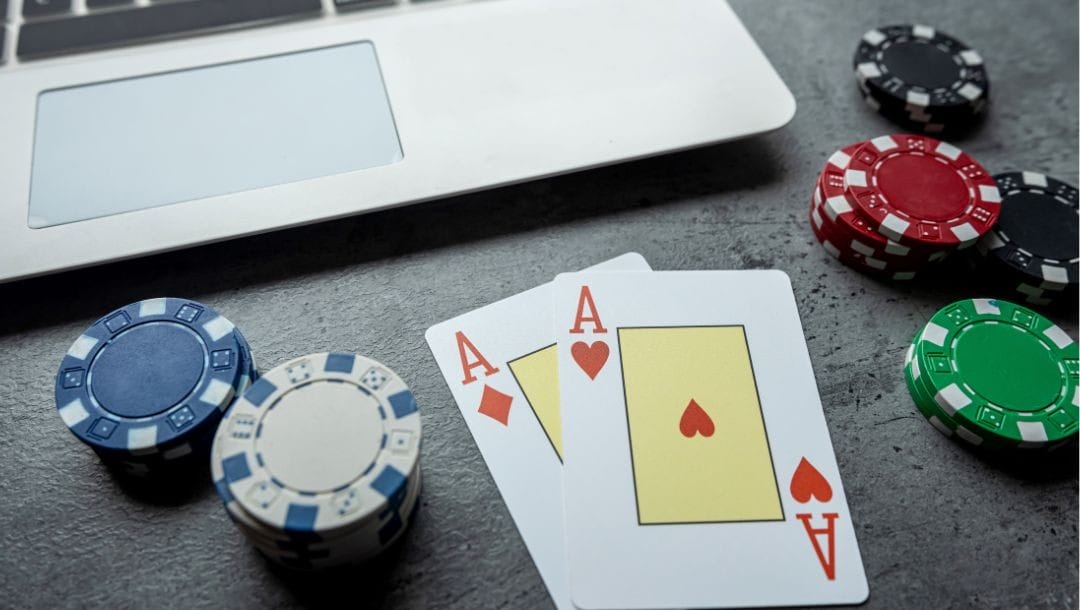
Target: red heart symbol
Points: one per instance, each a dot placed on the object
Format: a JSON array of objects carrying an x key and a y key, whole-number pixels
[
  {"x": 808, "y": 483},
  {"x": 695, "y": 420},
  {"x": 590, "y": 358}
]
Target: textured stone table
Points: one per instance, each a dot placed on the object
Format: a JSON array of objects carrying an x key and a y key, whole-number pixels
[{"x": 938, "y": 526}]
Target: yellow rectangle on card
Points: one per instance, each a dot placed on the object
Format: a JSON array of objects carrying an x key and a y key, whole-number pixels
[
  {"x": 537, "y": 374},
  {"x": 698, "y": 442}
]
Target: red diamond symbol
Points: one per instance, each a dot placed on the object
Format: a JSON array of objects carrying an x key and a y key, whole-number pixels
[{"x": 495, "y": 404}]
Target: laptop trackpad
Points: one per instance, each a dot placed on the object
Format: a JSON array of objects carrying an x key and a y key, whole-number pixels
[{"x": 149, "y": 141}]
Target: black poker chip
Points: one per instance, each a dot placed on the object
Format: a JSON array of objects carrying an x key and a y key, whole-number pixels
[
  {"x": 1037, "y": 233},
  {"x": 938, "y": 124},
  {"x": 1034, "y": 248},
  {"x": 921, "y": 78},
  {"x": 999, "y": 280}
]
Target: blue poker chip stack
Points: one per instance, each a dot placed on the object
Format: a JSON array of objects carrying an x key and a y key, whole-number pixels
[
  {"x": 147, "y": 384},
  {"x": 318, "y": 463}
]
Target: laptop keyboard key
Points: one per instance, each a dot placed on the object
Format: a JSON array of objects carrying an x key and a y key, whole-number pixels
[
  {"x": 342, "y": 5},
  {"x": 42, "y": 8},
  {"x": 106, "y": 3},
  {"x": 110, "y": 28}
]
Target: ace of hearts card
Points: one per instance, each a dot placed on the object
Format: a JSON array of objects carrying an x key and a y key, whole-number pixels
[{"x": 698, "y": 470}]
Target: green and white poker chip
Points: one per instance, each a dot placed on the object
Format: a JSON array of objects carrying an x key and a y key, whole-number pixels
[{"x": 995, "y": 375}]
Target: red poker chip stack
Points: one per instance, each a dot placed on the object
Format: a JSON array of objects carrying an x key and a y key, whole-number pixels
[{"x": 894, "y": 204}]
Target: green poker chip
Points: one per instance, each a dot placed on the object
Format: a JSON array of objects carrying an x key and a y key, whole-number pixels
[
  {"x": 932, "y": 411},
  {"x": 925, "y": 405},
  {"x": 1000, "y": 373}
]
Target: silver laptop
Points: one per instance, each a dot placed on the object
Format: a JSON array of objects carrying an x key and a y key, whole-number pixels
[{"x": 136, "y": 126}]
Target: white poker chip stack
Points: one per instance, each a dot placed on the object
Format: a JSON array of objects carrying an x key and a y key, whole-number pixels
[{"x": 318, "y": 463}]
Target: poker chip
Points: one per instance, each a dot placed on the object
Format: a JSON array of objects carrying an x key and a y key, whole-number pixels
[
  {"x": 995, "y": 375},
  {"x": 890, "y": 206},
  {"x": 924, "y": 400},
  {"x": 839, "y": 249},
  {"x": 830, "y": 201},
  {"x": 917, "y": 190},
  {"x": 910, "y": 120},
  {"x": 918, "y": 120},
  {"x": 852, "y": 228},
  {"x": 921, "y": 78},
  {"x": 937, "y": 417},
  {"x": 146, "y": 385},
  {"x": 203, "y": 441},
  {"x": 318, "y": 462},
  {"x": 1033, "y": 249},
  {"x": 1003, "y": 281}
]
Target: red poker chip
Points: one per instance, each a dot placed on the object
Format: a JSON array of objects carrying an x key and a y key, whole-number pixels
[
  {"x": 919, "y": 191},
  {"x": 854, "y": 233},
  {"x": 855, "y": 229},
  {"x": 857, "y": 263},
  {"x": 838, "y": 243}
]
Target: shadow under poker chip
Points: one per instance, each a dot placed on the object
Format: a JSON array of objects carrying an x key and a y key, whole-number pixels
[
  {"x": 1058, "y": 464},
  {"x": 175, "y": 485},
  {"x": 369, "y": 580}
]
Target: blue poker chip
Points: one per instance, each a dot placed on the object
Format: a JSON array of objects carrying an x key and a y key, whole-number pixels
[
  {"x": 249, "y": 371},
  {"x": 196, "y": 444},
  {"x": 148, "y": 379}
]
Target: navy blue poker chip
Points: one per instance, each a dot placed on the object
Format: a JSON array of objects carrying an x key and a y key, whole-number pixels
[{"x": 146, "y": 378}]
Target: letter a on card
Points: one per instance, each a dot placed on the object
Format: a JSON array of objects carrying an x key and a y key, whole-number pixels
[{"x": 590, "y": 357}]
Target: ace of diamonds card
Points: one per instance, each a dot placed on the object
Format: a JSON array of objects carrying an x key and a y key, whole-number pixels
[
  {"x": 499, "y": 362},
  {"x": 698, "y": 469}
]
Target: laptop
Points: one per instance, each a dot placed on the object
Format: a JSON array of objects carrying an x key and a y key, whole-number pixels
[{"x": 136, "y": 126}]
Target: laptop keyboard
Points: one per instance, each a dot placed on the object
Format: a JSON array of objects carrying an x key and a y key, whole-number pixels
[{"x": 55, "y": 27}]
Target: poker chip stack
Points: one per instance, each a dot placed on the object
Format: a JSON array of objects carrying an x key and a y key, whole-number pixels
[
  {"x": 921, "y": 78},
  {"x": 894, "y": 204},
  {"x": 996, "y": 376},
  {"x": 1034, "y": 248},
  {"x": 146, "y": 385},
  {"x": 318, "y": 463}
]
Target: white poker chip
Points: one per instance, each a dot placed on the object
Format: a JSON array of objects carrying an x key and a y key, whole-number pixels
[
  {"x": 318, "y": 462},
  {"x": 361, "y": 545},
  {"x": 367, "y": 538}
]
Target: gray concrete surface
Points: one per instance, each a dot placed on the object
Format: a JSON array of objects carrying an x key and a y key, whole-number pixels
[{"x": 939, "y": 527}]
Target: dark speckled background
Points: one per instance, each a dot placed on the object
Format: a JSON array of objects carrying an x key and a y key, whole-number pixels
[{"x": 939, "y": 527}]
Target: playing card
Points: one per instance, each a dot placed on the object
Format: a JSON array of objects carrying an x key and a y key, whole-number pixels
[
  {"x": 500, "y": 364},
  {"x": 698, "y": 470}
]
